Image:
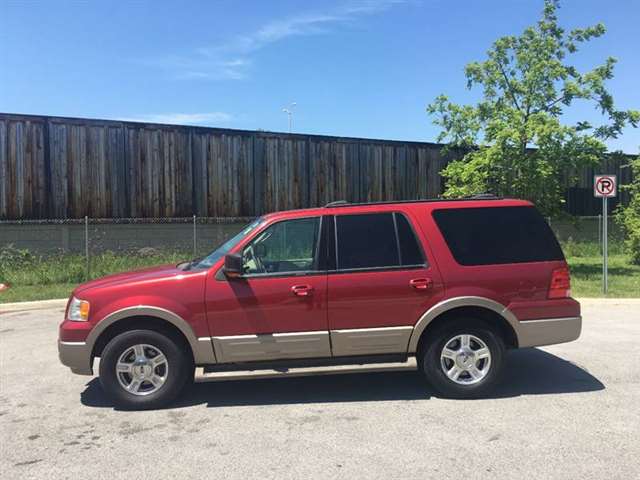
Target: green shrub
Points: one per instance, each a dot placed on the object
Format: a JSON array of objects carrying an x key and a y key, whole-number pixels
[
  {"x": 22, "y": 267},
  {"x": 629, "y": 216}
]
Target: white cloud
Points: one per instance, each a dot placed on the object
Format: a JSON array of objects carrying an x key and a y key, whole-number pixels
[
  {"x": 231, "y": 60},
  {"x": 182, "y": 118}
]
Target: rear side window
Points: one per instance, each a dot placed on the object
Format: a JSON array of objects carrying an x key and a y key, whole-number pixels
[
  {"x": 376, "y": 241},
  {"x": 497, "y": 235},
  {"x": 366, "y": 241}
]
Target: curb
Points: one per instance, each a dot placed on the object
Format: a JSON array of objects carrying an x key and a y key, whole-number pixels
[
  {"x": 608, "y": 301},
  {"x": 36, "y": 305}
]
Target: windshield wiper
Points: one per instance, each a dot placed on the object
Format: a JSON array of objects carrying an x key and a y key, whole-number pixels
[{"x": 188, "y": 264}]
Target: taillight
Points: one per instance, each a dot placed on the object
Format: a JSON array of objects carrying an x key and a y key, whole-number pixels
[{"x": 560, "y": 286}]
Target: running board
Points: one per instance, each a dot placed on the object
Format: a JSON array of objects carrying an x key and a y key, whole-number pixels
[
  {"x": 266, "y": 373},
  {"x": 284, "y": 365}
]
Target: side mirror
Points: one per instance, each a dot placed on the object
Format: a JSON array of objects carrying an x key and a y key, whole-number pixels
[{"x": 233, "y": 265}]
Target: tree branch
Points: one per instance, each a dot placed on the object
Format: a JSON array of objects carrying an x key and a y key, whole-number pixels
[
  {"x": 548, "y": 106},
  {"x": 510, "y": 87}
]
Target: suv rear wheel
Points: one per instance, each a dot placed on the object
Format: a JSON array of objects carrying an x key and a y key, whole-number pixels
[
  {"x": 463, "y": 358},
  {"x": 144, "y": 369}
]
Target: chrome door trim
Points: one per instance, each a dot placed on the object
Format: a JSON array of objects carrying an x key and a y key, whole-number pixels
[{"x": 275, "y": 346}]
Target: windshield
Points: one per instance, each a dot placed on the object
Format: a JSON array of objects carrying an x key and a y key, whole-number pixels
[{"x": 223, "y": 249}]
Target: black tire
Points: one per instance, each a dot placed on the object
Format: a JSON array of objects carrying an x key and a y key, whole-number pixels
[
  {"x": 430, "y": 363},
  {"x": 179, "y": 372}
]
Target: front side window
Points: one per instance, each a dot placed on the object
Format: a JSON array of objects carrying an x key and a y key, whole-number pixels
[
  {"x": 285, "y": 247},
  {"x": 376, "y": 240},
  {"x": 227, "y": 246}
]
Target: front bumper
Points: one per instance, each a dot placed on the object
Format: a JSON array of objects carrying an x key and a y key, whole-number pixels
[
  {"x": 548, "y": 331},
  {"x": 76, "y": 356}
]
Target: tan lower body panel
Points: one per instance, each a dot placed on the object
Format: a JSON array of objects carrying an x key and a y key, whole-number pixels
[
  {"x": 251, "y": 348},
  {"x": 344, "y": 343},
  {"x": 77, "y": 356},
  {"x": 367, "y": 341},
  {"x": 536, "y": 333},
  {"x": 370, "y": 341}
]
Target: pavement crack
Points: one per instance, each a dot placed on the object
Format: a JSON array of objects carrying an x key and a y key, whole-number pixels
[{"x": 29, "y": 462}]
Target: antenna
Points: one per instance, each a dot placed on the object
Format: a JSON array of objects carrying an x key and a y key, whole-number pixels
[{"x": 289, "y": 111}]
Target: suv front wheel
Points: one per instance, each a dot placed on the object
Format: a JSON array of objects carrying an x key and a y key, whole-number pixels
[
  {"x": 143, "y": 369},
  {"x": 463, "y": 358}
]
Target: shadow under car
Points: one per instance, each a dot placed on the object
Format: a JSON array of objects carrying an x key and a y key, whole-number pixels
[{"x": 527, "y": 371}]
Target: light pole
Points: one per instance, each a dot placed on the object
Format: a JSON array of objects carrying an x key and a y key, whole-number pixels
[{"x": 289, "y": 111}]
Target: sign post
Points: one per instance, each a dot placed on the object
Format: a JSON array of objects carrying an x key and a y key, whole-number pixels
[{"x": 605, "y": 187}]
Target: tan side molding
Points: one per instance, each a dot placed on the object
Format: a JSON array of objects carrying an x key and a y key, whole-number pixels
[
  {"x": 370, "y": 341},
  {"x": 276, "y": 346}
]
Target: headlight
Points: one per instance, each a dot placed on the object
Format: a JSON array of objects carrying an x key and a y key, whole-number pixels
[{"x": 78, "y": 310}]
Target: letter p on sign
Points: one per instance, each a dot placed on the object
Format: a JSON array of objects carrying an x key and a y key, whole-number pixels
[{"x": 605, "y": 186}]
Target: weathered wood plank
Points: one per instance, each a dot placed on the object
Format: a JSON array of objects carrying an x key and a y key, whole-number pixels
[
  {"x": 4, "y": 166},
  {"x": 259, "y": 153},
  {"x": 64, "y": 167}
]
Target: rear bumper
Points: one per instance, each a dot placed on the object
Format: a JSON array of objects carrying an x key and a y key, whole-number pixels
[
  {"x": 548, "y": 331},
  {"x": 76, "y": 356}
]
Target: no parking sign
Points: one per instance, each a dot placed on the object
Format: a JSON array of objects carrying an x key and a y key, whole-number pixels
[{"x": 605, "y": 187}]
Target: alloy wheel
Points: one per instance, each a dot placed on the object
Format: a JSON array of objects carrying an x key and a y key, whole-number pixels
[
  {"x": 142, "y": 369},
  {"x": 465, "y": 359}
]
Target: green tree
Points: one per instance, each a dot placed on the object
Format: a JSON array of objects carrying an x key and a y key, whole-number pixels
[
  {"x": 629, "y": 216},
  {"x": 515, "y": 141}
]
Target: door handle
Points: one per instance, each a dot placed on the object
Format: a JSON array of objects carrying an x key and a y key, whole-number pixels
[
  {"x": 421, "y": 283},
  {"x": 302, "y": 290}
]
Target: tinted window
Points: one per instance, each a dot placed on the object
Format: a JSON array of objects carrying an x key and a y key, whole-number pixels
[
  {"x": 284, "y": 247},
  {"x": 484, "y": 236},
  {"x": 410, "y": 252},
  {"x": 366, "y": 241},
  {"x": 327, "y": 250}
]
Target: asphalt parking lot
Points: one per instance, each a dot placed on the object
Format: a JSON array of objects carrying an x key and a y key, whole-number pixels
[{"x": 566, "y": 411}]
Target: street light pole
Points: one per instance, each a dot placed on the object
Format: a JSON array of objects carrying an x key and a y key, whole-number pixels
[{"x": 289, "y": 112}]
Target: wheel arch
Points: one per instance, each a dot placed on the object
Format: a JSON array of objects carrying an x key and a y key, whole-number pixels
[
  {"x": 153, "y": 318},
  {"x": 489, "y": 311}
]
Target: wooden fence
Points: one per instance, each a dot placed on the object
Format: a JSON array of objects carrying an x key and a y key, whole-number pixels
[{"x": 53, "y": 167}]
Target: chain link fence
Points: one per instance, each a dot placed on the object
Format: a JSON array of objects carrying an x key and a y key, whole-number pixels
[
  {"x": 194, "y": 235},
  {"x": 586, "y": 229},
  {"x": 99, "y": 246}
]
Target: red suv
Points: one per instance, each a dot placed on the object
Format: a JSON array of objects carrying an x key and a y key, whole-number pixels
[{"x": 454, "y": 283}]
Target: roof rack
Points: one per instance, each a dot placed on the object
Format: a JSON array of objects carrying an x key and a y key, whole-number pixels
[
  {"x": 336, "y": 203},
  {"x": 483, "y": 196},
  {"x": 480, "y": 196}
]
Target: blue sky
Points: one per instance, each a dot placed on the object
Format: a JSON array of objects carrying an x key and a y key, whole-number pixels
[{"x": 355, "y": 68}]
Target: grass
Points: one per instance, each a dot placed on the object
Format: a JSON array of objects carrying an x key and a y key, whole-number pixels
[
  {"x": 585, "y": 260},
  {"x": 38, "y": 278},
  {"x": 27, "y": 293},
  {"x": 586, "y": 277},
  {"x": 34, "y": 277}
]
